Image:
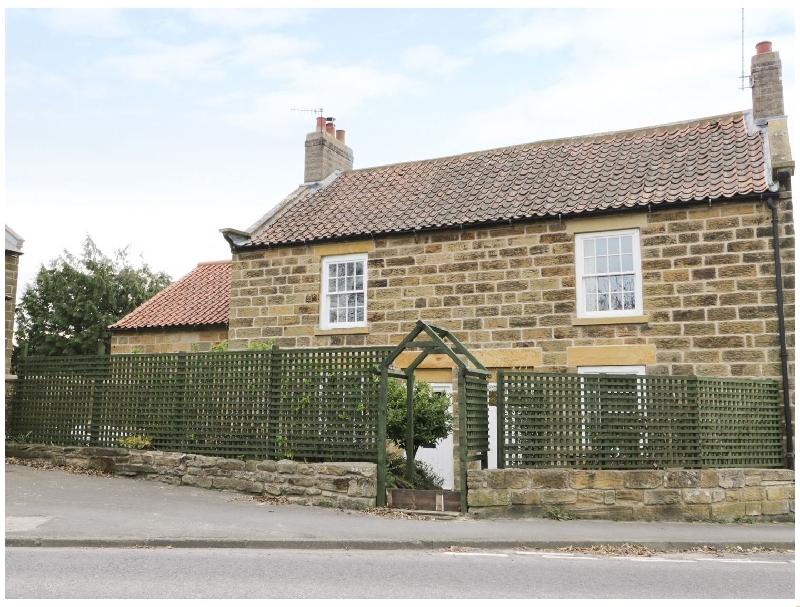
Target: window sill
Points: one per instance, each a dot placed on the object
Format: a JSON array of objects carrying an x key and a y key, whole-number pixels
[
  {"x": 612, "y": 320},
  {"x": 343, "y": 331}
]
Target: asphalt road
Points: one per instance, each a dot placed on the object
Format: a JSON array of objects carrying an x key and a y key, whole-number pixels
[{"x": 160, "y": 573}]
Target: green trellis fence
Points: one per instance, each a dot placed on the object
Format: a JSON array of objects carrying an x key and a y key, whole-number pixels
[
  {"x": 317, "y": 404},
  {"x": 322, "y": 405},
  {"x": 606, "y": 421}
]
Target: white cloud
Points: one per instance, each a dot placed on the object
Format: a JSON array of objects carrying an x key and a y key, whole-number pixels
[
  {"x": 101, "y": 23},
  {"x": 243, "y": 19},
  {"x": 166, "y": 63},
  {"x": 23, "y": 74},
  {"x": 255, "y": 50},
  {"x": 26, "y": 75},
  {"x": 604, "y": 70},
  {"x": 601, "y": 33},
  {"x": 545, "y": 30},
  {"x": 344, "y": 88},
  {"x": 605, "y": 103},
  {"x": 430, "y": 59}
]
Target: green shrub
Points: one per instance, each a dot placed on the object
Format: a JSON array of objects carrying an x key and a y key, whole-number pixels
[
  {"x": 424, "y": 476},
  {"x": 20, "y": 439},
  {"x": 260, "y": 345},
  {"x": 137, "y": 441},
  {"x": 432, "y": 418},
  {"x": 557, "y": 514}
]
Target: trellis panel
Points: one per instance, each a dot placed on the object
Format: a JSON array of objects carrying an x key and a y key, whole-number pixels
[
  {"x": 136, "y": 396},
  {"x": 326, "y": 404},
  {"x": 608, "y": 421},
  {"x": 53, "y": 401},
  {"x": 477, "y": 430},
  {"x": 308, "y": 404},
  {"x": 741, "y": 423}
]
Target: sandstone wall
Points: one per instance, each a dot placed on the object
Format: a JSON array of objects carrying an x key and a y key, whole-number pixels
[
  {"x": 708, "y": 293},
  {"x": 336, "y": 485},
  {"x": 732, "y": 494},
  {"x": 168, "y": 340},
  {"x": 675, "y": 495}
]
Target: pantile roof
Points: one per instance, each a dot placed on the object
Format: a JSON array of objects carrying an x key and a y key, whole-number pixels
[
  {"x": 711, "y": 158},
  {"x": 202, "y": 297}
]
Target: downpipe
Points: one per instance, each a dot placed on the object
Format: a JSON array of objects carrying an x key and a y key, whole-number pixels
[{"x": 787, "y": 409}]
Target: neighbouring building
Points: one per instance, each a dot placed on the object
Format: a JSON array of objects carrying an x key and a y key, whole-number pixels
[
  {"x": 189, "y": 315},
  {"x": 13, "y": 250}
]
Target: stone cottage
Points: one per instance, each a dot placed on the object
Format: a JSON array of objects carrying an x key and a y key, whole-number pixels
[
  {"x": 641, "y": 251},
  {"x": 664, "y": 250}
]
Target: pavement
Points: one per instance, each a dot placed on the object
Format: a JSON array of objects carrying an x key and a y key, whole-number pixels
[{"x": 52, "y": 508}]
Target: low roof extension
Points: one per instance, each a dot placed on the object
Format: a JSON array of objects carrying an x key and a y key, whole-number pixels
[{"x": 202, "y": 297}]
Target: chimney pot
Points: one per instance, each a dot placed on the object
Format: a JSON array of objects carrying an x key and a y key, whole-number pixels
[
  {"x": 326, "y": 152},
  {"x": 764, "y": 47}
]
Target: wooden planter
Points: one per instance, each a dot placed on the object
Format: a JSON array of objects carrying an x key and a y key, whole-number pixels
[{"x": 437, "y": 500}]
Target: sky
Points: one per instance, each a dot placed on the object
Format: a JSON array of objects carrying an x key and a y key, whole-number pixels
[{"x": 153, "y": 129}]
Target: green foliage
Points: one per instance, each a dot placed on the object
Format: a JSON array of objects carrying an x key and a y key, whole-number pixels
[
  {"x": 424, "y": 476},
  {"x": 253, "y": 345},
  {"x": 432, "y": 418},
  {"x": 21, "y": 439},
  {"x": 557, "y": 514},
  {"x": 137, "y": 441},
  {"x": 70, "y": 304},
  {"x": 258, "y": 345}
]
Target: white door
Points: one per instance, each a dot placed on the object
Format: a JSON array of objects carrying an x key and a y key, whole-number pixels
[
  {"x": 492, "y": 428},
  {"x": 441, "y": 457}
]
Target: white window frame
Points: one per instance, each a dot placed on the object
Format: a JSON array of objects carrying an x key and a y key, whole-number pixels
[
  {"x": 580, "y": 241},
  {"x": 324, "y": 317}
]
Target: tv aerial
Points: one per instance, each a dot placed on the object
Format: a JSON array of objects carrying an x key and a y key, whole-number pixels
[{"x": 317, "y": 111}]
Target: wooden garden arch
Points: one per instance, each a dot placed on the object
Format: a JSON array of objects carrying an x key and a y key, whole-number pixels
[{"x": 473, "y": 401}]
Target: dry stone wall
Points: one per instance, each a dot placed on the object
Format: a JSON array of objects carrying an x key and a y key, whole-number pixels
[
  {"x": 337, "y": 485},
  {"x": 681, "y": 495}
]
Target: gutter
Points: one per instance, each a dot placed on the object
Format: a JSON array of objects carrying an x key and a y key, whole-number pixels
[
  {"x": 243, "y": 237},
  {"x": 238, "y": 238},
  {"x": 787, "y": 410}
]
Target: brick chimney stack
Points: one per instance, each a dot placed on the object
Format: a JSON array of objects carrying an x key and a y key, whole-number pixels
[
  {"x": 326, "y": 151},
  {"x": 765, "y": 70},
  {"x": 768, "y": 111}
]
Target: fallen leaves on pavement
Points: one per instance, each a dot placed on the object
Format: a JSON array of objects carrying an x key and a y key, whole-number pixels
[
  {"x": 264, "y": 499},
  {"x": 392, "y": 513},
  {"x": 44, "y": 465},
  {"x": 636, "y": 550}
]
